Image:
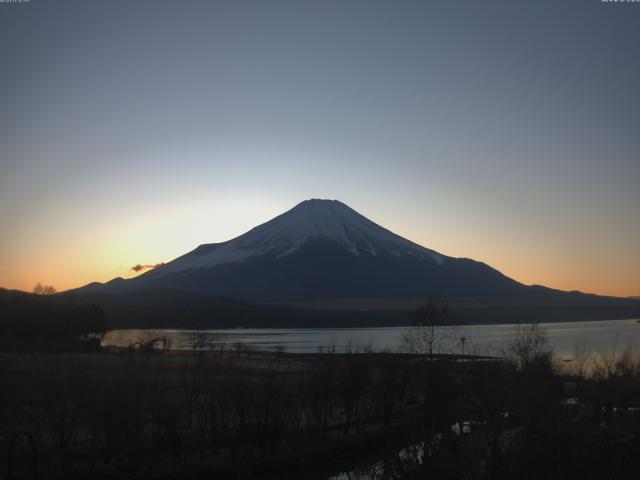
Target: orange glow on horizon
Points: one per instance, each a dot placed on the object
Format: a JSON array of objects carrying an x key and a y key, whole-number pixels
[{"x": 85, "y": 260}]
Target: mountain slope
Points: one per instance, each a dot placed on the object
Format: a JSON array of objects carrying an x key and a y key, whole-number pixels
[{"x": 286, "y": 234}]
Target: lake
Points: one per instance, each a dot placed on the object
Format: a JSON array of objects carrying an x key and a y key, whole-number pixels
[{"x": 609, "y": 336}]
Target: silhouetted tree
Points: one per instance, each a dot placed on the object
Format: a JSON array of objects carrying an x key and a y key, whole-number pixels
[
  {"x": 40, "y": 289},
  {"x": 432, "y": 330}
]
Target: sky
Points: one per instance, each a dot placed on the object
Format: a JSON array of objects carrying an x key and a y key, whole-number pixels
[{"x": 507, "y": 132}]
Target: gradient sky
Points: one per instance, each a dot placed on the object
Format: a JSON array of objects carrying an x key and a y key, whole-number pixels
[{"x": 504, "y": 131}]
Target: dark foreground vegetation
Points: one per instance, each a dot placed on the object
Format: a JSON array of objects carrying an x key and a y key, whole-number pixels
[
  {"x": 133, "y": 414},
  {"x": 40, "y": 322},
  {"x": 70, "y": 410}
]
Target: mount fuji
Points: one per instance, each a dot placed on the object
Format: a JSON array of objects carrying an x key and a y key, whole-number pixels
[
  {"x": 323, "y": 264},
  {"x": 320, "y": 250}
]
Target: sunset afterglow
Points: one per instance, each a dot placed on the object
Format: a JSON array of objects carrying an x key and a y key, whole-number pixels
[{"x": 519, "y": 151}]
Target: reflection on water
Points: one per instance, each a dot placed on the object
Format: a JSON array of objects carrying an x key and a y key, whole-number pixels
[
  {"x": 396, "y": 466},
  {"x": 400, "y": 463},
  {"x": 567, "y": 339}
]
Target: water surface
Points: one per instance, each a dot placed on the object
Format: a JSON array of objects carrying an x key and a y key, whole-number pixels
[{"x": 609, "y": 336}]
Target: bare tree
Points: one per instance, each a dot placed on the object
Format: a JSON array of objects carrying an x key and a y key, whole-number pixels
[
  {"x": 581, "y": 359},
  {"x": 41, "y": 289},
  {"x": 432, "y": 331},
  {"x": 529, "y": 345},
  {"x": 201, "y": 340}
]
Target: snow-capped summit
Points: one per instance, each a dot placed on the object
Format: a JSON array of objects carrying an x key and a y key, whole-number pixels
[
  {"x": 310, "y": 220},
  {"x": 334, "y": 220}
]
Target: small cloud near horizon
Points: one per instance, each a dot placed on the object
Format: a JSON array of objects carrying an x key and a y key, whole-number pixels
[{"x": 140, "y": 267}]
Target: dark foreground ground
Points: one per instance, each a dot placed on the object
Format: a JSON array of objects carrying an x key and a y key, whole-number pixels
[{"x": 244, "y": 415}]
